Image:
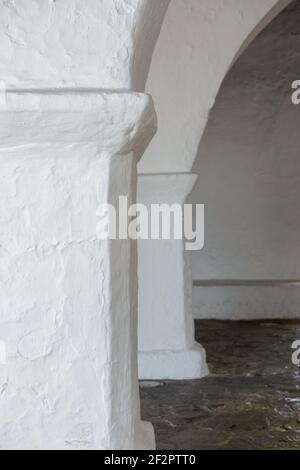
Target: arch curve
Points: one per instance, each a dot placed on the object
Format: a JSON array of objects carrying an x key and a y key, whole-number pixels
[{"x": 77, "y": 44}]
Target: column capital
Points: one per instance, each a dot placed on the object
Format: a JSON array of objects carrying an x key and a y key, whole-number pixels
[{"x": 116, "y": 122}]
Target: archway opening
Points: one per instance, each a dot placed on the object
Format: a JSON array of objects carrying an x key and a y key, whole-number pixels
[{"x": 249, "y": 178}]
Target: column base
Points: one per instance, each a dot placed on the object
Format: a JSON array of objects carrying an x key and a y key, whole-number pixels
[{"x": 189, "y": 364}]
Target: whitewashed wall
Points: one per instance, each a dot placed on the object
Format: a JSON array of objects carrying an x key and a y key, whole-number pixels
[
  {"x": 198, "y": 43},
  {"x": 71, "y": 132}
]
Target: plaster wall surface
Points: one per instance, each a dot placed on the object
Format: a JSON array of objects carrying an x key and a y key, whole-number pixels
[
  {"x": 72, "y": 357},
  {"x": 72, "y": 130},
  {"x": 167, "y": 347},
  {"x": 198, "y": 42},
  {"x": 249, "y": 172}
]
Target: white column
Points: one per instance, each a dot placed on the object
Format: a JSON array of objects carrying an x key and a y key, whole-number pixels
[
  {"x": 68, "y": 300},
  {"x": 167, "y": 348}
]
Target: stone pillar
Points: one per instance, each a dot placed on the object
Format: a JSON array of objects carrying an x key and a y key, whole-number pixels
[
  {"x": 67, "y": 299},
  {"x": 167, "y": 348}
]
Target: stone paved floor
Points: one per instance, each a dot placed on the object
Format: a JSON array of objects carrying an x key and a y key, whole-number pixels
[{"x": 251, "y": 400}]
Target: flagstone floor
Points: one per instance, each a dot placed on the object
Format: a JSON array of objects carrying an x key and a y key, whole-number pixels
[{"x": 251, "y": 400}]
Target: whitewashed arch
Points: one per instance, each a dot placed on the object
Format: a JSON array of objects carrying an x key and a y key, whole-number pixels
[{"x": 72, "y": 129}]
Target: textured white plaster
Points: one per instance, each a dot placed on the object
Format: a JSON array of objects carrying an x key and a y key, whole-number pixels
[
  {"x": 198, "y": 42},
  {"x": 71, "y": 375},
  {"x": 76, "y": 43},
  {"x": 68, "y": 302}
]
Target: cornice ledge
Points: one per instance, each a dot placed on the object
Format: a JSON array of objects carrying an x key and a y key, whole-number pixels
[{"x": 119, "y": 122}]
